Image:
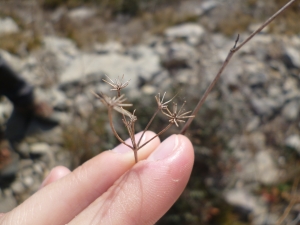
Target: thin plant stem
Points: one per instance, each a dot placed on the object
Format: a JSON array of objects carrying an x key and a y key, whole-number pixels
[
  {"x": 135, "y": 155},
  {"x": 162, "y": 131},
  {"x": 230, "y": 54},
  {"x": 292, "y": 202},
  {"x": 146, "y": 128},
  {"x": 113, "y": 129}
]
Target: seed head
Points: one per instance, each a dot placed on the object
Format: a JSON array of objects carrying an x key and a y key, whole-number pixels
[
  {"x": 177, "y": 117},
  {"x": 117, "y": 84}
]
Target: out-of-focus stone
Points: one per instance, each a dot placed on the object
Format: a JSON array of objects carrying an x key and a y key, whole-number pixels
[
  {"x": 8, "y": 26},
  {"x": 192, "y": 32}
]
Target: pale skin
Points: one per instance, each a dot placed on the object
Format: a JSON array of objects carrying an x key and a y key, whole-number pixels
[{"x": 110, "y": 188}]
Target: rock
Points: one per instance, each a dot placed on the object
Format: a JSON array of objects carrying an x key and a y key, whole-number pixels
[
  {"x": 8, "y": 26},
  {"x": 291, "y": 110},
  {"x": 265, "y": 106},
  {"x": 178, "y": 56},
  {"x": 209, "y": 5},
  {"x": 58, "y": 99},
  {"x": 258, "y": 168},
  {"x": 108, "y": 47},
  {"x": 274, "y": 91},
  {"x": 27, "y": 172},
  {"x": 149, "y": 90},
  {"x": 242, "y": 198},
  {"x": 12, "y": 60},
  {"x": 58, "y": 14},
  {"x": 7, "y": 201},
  {"x": 5, "y": 111},
  {"x": 83, "y": 105},
  {"x": 191, "y": 32},
  {"x": 257, "y": 78},
  {"x": 291, "y": 57},
  {"x": 290, "y": 85},
  {"x": 195, "y": 9},
  {"x": 253, "y": 124},
  {"x": 28, "y": 181},
  {"x": 25, "y": 163},
  {"x": 53, "y": 136},
  {"x": 81, "y": 13},
  {"x": 40, "y": 148},
  {"x": 17, "y": 187},
  {"x": 231, "y": 76},
  {"x": 39, "y": 168},
  {"x": 63, "y": 49},
  {"x": 23, "y": 148},
  {"x": 248, "y": 206},
  {"x": 144, "y": 64},
  {"x": 293, "y": 142},
  {"x": 265, "y": 168}
]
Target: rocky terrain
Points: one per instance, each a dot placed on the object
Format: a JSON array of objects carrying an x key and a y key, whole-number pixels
[{"x": 246, "y": 136}]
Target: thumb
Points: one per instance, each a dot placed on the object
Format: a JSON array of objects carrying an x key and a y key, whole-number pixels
[{"x": 148, "y": 190}]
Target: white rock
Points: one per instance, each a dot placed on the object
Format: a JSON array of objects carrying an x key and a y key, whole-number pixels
[
  {"x": 291, "y": 110},
  {"x": 17, "y": 187},
  {"x": 81, "y": 13},
  {"x": 63, "y": 49},
  {"x": 261, "y": 167},
  {"x": 8, "y": 203},
  {"x": 192, "y": 32},
  {"x": 8, "y": 26},
  {"x": 293, "y": 142},
  {"x": 294, "y": 56},
  {"x": 241, "y": 198},
  {"x": 40, "y": 148},
  {"x": 83, "y": 105},
  {"x": 111, "y": 46},
  {"x": 114, "y": 65}
]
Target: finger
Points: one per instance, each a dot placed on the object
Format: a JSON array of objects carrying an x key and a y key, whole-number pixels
[
  {"x": 65, "y": 198},
  {"x": 55, "y": 174},
  {"x": 147, "y": 191}
]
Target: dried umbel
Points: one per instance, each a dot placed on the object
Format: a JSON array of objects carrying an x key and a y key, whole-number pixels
[{"x": 118, "y": 102}]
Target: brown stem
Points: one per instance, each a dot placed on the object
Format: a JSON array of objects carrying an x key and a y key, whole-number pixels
[
  {"x": 230, "y": 54},
  {"x": 135, "y": 155},
  {"x": 113, "y": 128},
  {"x": 293, "y": 201},
  {"x": 146, "y": 128},
  {"x": 164, "y": 130}
]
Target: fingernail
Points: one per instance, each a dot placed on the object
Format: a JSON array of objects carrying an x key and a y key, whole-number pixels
[
  {"x": 165, "y": 149},
  {"x": 46, "y": 180}
]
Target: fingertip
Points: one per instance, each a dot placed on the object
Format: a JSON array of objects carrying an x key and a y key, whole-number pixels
[
  {"x": 55, "y": 174},
  {"x": 171, "y": 147}
]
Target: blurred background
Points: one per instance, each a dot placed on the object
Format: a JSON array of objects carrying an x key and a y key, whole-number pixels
[{"x": 246, "y": 136}]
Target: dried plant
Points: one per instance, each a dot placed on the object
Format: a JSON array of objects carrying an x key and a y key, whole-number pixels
[
  {"x": 117, "y": 103},
  {"x": 233, "y": 50}
]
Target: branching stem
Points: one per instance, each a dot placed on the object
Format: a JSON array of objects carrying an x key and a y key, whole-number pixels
[
  {"x": 162, "y": 131},
  {"x": 114, "y": 130},
  {"x": 146, "y": 128},
  {"x": 230, "y": 54}
]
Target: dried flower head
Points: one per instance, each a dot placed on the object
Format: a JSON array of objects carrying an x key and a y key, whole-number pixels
[
  {"x": 116, "y": 102},
  {"x": 118, "y": 84},
  {"x": 177, "y": 117},
  {"x": 160, "y": 102}
]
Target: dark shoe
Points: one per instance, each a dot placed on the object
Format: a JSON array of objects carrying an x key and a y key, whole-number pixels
[
  {"x": 37, "y": 109},
  {"x": 9, "y": 160},
  {"x": 30, "y": 119}
]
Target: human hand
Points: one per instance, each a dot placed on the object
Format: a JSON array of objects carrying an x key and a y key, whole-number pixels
[{"x": 110, "y": 188}]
